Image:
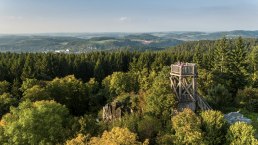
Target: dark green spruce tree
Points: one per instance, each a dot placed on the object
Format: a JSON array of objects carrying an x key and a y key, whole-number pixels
[{"x": 238, "y": 65}]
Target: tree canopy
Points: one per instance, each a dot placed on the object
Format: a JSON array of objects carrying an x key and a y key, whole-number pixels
[{"x": 49, "y": 98}]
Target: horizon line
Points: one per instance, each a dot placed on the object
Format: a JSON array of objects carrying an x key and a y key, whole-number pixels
[{"x": 98, "y": 32}]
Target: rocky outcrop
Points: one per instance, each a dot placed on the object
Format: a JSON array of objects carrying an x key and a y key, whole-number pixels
[{"x": 114, "y": 111}]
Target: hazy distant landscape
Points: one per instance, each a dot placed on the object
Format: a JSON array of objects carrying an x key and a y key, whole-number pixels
[{"x": 88, "y": 42}]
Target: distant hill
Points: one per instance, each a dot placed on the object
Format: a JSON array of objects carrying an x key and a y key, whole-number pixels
[
  {"x": 33, "y": 43},
  {"x": 144, "y": 36},
  {"x": 186, "y": 36},
  {"x": 14, "y": 43},
  {"x": 87, "y": 42}
]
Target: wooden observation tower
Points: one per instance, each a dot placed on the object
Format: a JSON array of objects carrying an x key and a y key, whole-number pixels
[{"x": 183, "y": 82}]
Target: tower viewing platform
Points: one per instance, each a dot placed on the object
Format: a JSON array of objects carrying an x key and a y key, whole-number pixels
[{"x": 184, "y": 69}]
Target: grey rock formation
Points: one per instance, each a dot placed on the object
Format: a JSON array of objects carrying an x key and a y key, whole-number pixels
[
  {"x": 233, "y": 117},
  {"x": 114, "y": 111}
]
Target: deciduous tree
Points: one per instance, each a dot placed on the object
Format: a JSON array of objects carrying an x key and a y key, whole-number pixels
[
  {"x": 42, "y": 122},
  {"x": 241, "y": 133},
  {"x": 187, "y": 126},
  {"x": 214, "y": 127},
  {"x": 117, "y": 136}
]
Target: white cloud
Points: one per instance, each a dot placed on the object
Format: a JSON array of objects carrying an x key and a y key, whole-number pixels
[{"x": 124, "y": 19}]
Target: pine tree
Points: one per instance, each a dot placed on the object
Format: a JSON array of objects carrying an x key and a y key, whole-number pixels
[
  {"x": 197, "y": 58},
  {"x": 28, "y": 69},
  {"x": 254, "y": 66},
  {"x": 15, "y": 90},
  {"x": 98, "y": 71},
  {"x": 237, "y": 65},
  {"x": 221, "y": 53},
  {"x": 210, "y": 58}
]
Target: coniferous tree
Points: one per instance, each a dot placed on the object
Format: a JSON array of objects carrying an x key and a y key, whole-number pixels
[
  {"x": 221, "y": 53},
  {"x": 28, "y": 69},
  {"x": 197, "y": 58},
  {"x": 15, "y": 90},
  {"x": 98, "y": 71},
  {"x": 254, "y": 66},
  {"x": 237, "y": 66}
]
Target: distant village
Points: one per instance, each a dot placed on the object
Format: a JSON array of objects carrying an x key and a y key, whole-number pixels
[{"x": 62, "y": 51}]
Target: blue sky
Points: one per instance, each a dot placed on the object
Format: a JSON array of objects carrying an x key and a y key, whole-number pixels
[{"x": 44, "y": 16}]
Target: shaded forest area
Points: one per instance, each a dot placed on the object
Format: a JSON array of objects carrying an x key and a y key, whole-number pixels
[{"x": 48, "y": 98}]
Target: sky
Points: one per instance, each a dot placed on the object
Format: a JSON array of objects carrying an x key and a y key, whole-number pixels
[{"x": 51, "y": 16}]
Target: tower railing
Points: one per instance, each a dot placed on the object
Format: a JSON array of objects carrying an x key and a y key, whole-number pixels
[{"x": 183, "y": 69}]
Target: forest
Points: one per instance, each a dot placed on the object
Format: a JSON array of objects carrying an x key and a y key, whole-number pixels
[{"x": 49, "y": 98}]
